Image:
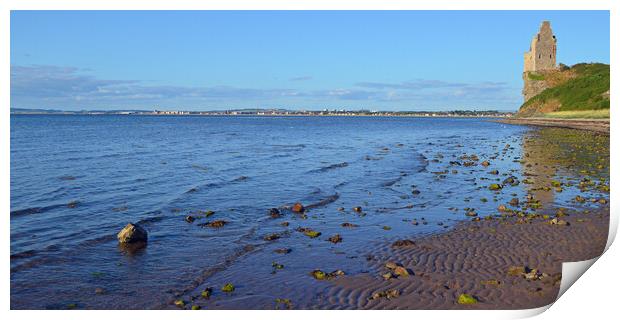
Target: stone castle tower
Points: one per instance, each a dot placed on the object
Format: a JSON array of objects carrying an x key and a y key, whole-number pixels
[
  {"x": 541, "y": 56},
  {"x": 539, "y": 61}
]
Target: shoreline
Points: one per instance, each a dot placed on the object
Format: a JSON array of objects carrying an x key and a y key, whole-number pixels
[
  {"x": 597, "y": 125},
  {"x": 267, "y": 115},
  {"x": 482, "y": 259}
]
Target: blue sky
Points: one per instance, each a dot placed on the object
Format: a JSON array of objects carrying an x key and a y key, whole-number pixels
[{"x": 206, "y": 60}]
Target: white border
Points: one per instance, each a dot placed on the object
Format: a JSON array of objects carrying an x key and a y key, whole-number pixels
[{"x": 588, "y": 303}]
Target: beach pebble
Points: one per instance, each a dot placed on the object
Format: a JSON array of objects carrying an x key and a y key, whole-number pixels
[
  {"x": 179, "y": 303},
  {"x": 272, "y": 236},
  {"x": 348, "y": 225},
  {"x": 388, "y": 294},
  {"x": 403, "y": 243},
  {"x": 471, "y": 214},
  {"x": 401, "y": 271},
  {"x": 216, "y": 223},
  {"x": 283, "y": 250},
  {"x": 387, "y": 276},
  {"x": 335, "y": 238},
  {"x": 274, "y": 213},
  {"x": 298, "y": 207}
]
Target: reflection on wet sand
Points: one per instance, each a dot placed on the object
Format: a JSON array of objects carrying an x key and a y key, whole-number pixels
[{"x": 554, "y": 158}]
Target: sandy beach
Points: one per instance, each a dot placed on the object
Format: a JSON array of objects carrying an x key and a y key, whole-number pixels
[
  {"x": 481, "y": 259},
  {"x": 597, "y": 125}
]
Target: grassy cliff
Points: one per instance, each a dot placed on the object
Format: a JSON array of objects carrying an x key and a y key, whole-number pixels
[{"x": 571, "y": 91}]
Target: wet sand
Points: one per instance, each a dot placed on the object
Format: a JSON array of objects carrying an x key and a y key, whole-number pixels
[
  {"x": 475, "y": 258},
  {"x": 598, "y": 125}
]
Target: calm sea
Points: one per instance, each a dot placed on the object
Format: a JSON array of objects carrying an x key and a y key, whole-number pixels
[{"x": 77, "y": 180}]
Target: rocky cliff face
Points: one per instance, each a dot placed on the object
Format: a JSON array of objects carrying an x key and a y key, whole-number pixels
[{"x": 533, "y": 84}]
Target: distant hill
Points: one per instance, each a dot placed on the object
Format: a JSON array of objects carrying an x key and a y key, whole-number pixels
[{"x": 582, "y": 87}]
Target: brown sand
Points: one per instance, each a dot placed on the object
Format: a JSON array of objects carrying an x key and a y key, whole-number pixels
[
  {"x": 598, "y": 125},
  {"x": 459, "y": 261}
]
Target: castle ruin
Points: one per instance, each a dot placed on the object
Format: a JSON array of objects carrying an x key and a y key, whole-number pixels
[
  {"x": 541, "y": 56},
  {"x": 538, "y": 61}
]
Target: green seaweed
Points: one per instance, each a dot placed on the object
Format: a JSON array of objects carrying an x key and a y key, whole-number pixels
[
  {"x": 229, "y": 287},
  {"x": 465, "y": 298}
]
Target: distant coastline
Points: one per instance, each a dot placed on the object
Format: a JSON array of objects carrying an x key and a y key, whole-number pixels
[{"x": 275, "y": 112}]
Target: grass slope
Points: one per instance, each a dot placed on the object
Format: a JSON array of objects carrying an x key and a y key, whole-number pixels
[{"x": 587, "y": 90}]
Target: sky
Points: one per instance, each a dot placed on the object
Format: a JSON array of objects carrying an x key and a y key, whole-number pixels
[{"x": 301, "y": 60}]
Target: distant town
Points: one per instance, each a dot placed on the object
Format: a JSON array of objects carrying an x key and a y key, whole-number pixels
[{"x": 275, "y": 112}]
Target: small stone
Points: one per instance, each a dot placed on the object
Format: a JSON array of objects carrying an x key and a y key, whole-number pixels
[
  {"x": 532, "y": 275},
  {"x": 318, "y": 274},
  {"x": 196, "y": 307},
  {"x": 556, "y": 221},
  {"x": 387, "y": 276},
  {"x": 388, "y": 294},
  {"x": 206, "y": 293},
  {"x": 274, "y": 213},
  {"x": 495, "y": 186},
  {"x": 514, "y": 202},
  {"x": 216, "y": 223},
  {"x": 401, "y": 271},
  {"x": 298, "y": 207},
  {"x": 403, "y": 243},
  {"x": 471, "y": 214},
  {"x": 391, "y": 265},
  {"x": 485, "y": 163},
  {"x": 179, "y": 303},
  {"x": 349, "y": 225},
  {"x": 335, "y": 238},
  {"x": 272, "y": 236},
  {"x": 357, "y": 209},
  {"x": 99, "y": 291},
  {"x": 189, "y": 219},
  {"x": 283, "y": 250}
]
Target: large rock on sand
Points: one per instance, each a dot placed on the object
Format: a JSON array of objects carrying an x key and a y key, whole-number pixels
[{"x": 132, "y": 233}]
